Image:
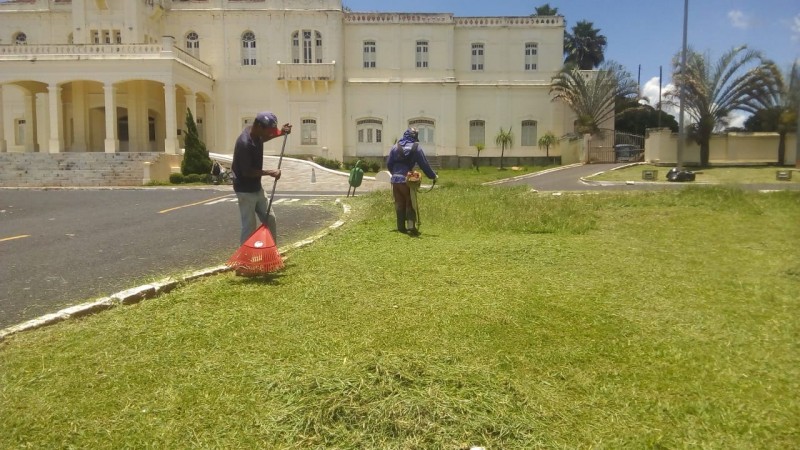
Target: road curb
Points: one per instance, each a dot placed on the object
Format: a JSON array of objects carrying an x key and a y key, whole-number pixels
[{"x": 138, "y": 294}]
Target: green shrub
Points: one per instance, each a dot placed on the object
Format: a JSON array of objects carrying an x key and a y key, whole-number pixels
[
  {"x": 195, "y": 178},
  {"x": 176, "y": 178},
  {"x": 195, "y": 156},
  {"x": 366, "y": 166},
  {"x": 328, "y": 163}
]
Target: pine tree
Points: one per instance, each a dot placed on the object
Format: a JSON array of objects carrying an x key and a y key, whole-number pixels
[{"x": 195, "y": 156}]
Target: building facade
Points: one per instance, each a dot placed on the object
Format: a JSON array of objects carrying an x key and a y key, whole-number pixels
[{"x": 120, "y": 75}]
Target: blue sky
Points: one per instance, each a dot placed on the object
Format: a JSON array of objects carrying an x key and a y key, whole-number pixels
[{"x": 647, "y": 32}]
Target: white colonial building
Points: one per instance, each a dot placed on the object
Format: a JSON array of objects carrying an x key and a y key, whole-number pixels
[{"x": 118, "y": 76}]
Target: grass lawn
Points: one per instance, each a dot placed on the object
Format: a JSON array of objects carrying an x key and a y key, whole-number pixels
[
  {"x": 516, "y": 320},
  {"x": 720, "y": 175}
]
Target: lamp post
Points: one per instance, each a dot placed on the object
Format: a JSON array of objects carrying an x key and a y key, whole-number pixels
[{"x": 681, "y": 127}]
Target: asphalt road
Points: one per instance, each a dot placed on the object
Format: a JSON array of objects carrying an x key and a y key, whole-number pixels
[
  {"x": 568, "y": 179},
  {"x": 62, "y": 247}
]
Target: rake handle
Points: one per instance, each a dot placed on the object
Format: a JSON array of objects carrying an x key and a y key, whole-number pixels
[{"x": 275, "y": 182}]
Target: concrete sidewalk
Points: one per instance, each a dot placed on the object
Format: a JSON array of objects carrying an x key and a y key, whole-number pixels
[{"x": 305, "y": 176}]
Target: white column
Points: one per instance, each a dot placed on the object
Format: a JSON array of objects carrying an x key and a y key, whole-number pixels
[
  {"x": 136, "y": 110},
  {"x": 30, "y": 116},
  {"x": 3, "y": 147},
  {"x": 209, "y": 131},
  {"x": 191, "y": 104},
  {"x": 111, "y": 143},
  {"x": 54, "y": 97},
  {"x": 171, "y": 140},
  {"x": 79, "y": 117}
]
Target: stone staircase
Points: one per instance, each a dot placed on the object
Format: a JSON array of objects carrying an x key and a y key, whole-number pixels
[{"x": 75, "y": 169}]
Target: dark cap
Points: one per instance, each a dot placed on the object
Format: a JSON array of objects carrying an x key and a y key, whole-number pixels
[{"x": 267, "y": 119}]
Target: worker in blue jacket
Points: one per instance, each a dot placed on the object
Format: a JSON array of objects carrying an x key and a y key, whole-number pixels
[{"x": 403, "y": 156}]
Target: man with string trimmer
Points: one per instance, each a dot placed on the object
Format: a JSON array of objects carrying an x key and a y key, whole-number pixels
[{"x": 402, "y": 159}]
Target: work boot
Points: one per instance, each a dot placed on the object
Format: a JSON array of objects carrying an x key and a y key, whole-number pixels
[
  {"x": 411, "y": 222},
  {"x": 401, "y": 221}
]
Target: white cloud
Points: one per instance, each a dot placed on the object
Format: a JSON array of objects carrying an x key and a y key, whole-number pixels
[
  {"x": 736, "y": 119},
  {"x": 795, "y": 28},
  {"x": 738, "y": 19},
  {"x": 650, "y": 90}
]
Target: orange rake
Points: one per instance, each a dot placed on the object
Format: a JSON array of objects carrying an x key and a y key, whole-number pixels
[{"x": 259, "y": 254}]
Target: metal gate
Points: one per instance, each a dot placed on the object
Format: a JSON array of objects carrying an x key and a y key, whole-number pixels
[{"x": 601, "y": 145}]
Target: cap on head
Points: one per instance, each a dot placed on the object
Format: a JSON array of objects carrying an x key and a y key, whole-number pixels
[
  {"x": 413, "y": 134},
  {"x": 267, "y": 119}
]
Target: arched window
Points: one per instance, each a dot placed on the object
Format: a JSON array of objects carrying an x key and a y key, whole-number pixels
[
  {"x": 20, "y": 38},
  {"x": 318, "y": 47},
  {"x": 477, "y": 132},
  {"x": 425, "y": 129},
  {"x": 193, "y": 44},
  {"x": 308, "y": 132},
  {"x": 370, "y": 131},
  {"x": 531, "y": 55},
  {"x": 248, "y": 48},
  {"x": 307, "y": 47},
  {"x": 528, "y": 138}
]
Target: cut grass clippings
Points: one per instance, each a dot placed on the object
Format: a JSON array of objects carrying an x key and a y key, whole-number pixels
[{"x": 516, "y": 320}]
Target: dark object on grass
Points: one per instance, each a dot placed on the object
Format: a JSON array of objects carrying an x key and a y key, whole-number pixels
[{"x": 680, "y": 175}]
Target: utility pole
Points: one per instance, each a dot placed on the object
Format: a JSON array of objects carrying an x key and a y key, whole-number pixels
[
  {"x": 659, "y": 96},
  {"x": 797, "y": 140},
  {"x": 681, "y": 127}
]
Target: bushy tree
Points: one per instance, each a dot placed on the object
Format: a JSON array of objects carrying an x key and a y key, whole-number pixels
[
  {"x": 545, "y": 10},
  {"x": 195, "y": 155},
  {"x": 635, "y": 118},
  {"x": 741, "y": 80}
]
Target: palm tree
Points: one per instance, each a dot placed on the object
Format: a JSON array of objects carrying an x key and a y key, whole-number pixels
[
  {"x": 742, "y": 80},
  {"x": 479, "y": 148},
  {"x": 545, "y": 10},
  {"x": 779, "y": 112},
  {"x": 546, "y": 141},
  {"x": 584, "y": 47},
  {"x": 503, "y": 139},
  {"x": 592, "y": 95}
]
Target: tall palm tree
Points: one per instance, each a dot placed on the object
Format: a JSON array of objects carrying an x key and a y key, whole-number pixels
[
  {"x": 545, "y": 10},
  {"x": 504, "y": 139},
  {"x": 741, "y": 80},
  {"x": 780, "y": 110},
  {"x": 592, "y": 95},
  {"x": 584, "y": 47},
  {"x": 546, "y": 141}
]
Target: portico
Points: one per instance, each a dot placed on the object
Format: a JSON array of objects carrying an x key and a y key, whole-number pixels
[{"x": 136, "y": 102}]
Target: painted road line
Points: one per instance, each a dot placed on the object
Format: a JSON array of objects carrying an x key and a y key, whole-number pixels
[
  {"x": 21, "y": 236},
  {"x": 234, "y": 200},
  {"x": 192, "y": 204}
]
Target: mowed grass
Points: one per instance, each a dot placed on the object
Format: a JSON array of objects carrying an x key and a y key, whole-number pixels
[
  {"x": 516, "y": 320},
  {"x": 717, "y": 175}
]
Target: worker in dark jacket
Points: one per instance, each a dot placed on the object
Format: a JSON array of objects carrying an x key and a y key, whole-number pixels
[
  {"x": 403, "y": 156},
  {"x": 248, "y": 160}
]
